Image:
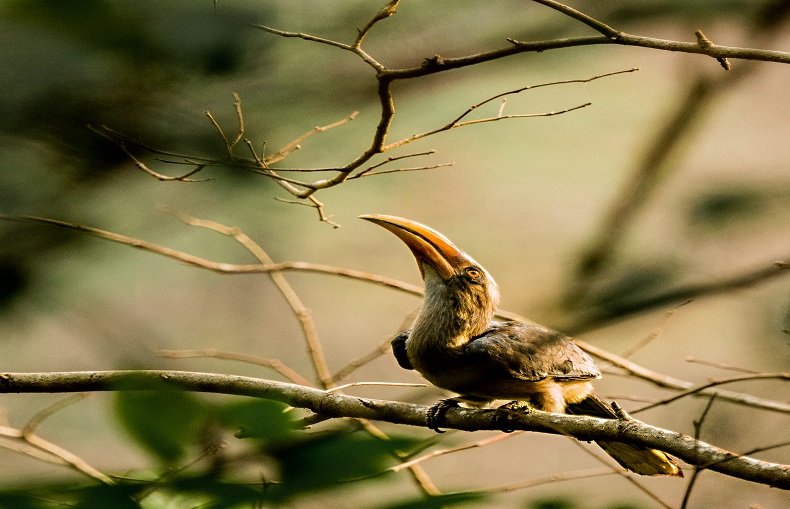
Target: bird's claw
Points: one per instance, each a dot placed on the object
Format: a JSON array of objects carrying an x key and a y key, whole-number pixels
[
  {"x": 435, "y": 414},
  {"x": 502, "y": 413}
]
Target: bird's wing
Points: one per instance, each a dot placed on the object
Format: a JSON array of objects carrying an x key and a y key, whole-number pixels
[
  {"x": 399, "y": 349},
  {"x": 530, "y": 352}
]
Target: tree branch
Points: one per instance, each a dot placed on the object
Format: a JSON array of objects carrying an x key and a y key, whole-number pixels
[{"x": 332, "y": 404}]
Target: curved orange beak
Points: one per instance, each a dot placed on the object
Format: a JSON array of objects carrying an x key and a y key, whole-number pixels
[{"x": 426, "y": 244}]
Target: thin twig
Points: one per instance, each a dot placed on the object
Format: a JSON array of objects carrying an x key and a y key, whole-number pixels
[
  {"x": 715, "y": 383},
  {"x": 591, "y": 22},
  {"x": 384, "y": 13},
  {"x": 669, "y": 382},
  {"x": 301, "y": 312},
  {"x": 398, "y": 170},
  {"x": 54, "y": 451},
  {"x": 274, "y": 364},
  {"x": 41, "y": 415},
  {"x": 294, "y": 144},
  {"x": 221, "y": 267},
  {"x": 558, "y": 477},
  {"x": 655, "y": 333},
  {"x": 697, "y": 435},
  {"x": 141, "y": 165},
  {"x": 442, "y": 452},
  {"x": 378, "y": 384},
  {"x": 393, "y": 158},
  {"x": 720, "y": 365}
]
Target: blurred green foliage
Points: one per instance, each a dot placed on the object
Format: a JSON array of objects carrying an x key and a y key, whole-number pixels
[{"x": 174, "y": 426}]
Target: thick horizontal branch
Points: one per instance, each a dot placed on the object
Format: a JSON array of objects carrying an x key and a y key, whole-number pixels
[{"x": 332, "y": 404}]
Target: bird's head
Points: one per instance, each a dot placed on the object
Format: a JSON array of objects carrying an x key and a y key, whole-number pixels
[{"x": 459, "y": 292}]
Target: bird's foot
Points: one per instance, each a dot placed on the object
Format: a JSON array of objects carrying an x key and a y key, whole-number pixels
[
  {"x": 503, "y": 413},
  {"x": 435, "y": 414}
]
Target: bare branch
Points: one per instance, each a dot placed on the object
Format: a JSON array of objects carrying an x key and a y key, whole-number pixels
[
  {"x": 399, "y": 170},
  {"x": 339, "y": 405},
  {"x": 395, "y": 158},
  {"x": 294, "y": 145},
  {"x": 653, "y": 334},
  {"x": 558, "y": 477},
  {"x": 301, "y": 311},
  {"x": 378, "y": 384},
  {"x": 455, "y": 124},
  {"x": 697, "y": 433},
  {"x": 275, "y": 364},
  {"x": 307, "y": 37},
  {"x": 677, "y": 384},
  {"x": 457, "y": 121},
  {"x": 591, "y": 22},
  {"x": 385, "y": 12},
  {"x": 36, "y": 420},
  {"x": 442, "y": 452},
  {"x": 226, "y": 268},
  {"x": 719, "y": 365},
  {"x": 27, "y": 442},
  {"x": 758, "y": 376},
  {"x": 141, "y": 165}
]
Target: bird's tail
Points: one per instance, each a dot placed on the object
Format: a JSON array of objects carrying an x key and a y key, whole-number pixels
[{"x": 636, "y": 458}]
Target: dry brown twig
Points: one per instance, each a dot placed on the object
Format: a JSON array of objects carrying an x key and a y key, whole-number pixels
[
  {"x": 655, "y": 333},
  {"x": 697, "y": 434},
  {"x": 26, "y": 441},
  {"x": 274, "y": 364},
  {"x": 301, "y": 311},
  {"x": 720, "y": 365},
  {"x": 715, "y": 383},
  {"x": 304, "y": 190}
]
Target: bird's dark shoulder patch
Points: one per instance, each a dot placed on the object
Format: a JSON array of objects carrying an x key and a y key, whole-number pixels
[{"x": 399, "y": 349}]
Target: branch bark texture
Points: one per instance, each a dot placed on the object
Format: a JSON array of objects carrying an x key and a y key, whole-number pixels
[{"x": 332, "y": 404}]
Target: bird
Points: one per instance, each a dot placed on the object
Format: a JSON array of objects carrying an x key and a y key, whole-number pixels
[{"x": 456, "y": 345}]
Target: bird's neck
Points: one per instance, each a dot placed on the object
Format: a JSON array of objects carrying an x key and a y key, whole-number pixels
[{"x": 449, "y": 317}]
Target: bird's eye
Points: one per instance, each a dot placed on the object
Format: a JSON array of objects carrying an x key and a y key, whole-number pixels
[{"x": 473, "y": 273}]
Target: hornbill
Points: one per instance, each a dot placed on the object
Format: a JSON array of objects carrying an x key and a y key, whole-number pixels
[{"x": 456, "y": 345}]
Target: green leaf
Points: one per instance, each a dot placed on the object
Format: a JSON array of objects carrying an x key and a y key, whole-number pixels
[
  {"x": 213, "y": 492},
  {"x": 258, "y": 418},
  {"x": 116, "y": 496},
  {"x": 57, "y": 495},
  {"x": 438, "y": 501},
  {"x": 324, "y": 460},
  {"x": 163, "y": 421}
]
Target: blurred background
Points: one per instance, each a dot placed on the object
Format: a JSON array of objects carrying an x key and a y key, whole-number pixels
[{"x": 534, "y": 200}]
